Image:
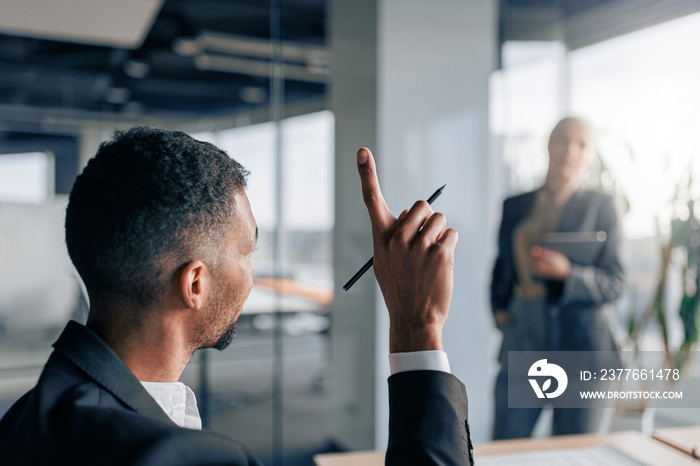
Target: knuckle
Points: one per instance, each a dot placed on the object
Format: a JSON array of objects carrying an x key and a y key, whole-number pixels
[
  {"x": 404, "y": 237},
  {"x": 397, "y": 239},
  {"x": 444, "y": 252},
  {"x": 420, "y": 206},
  {"x": 451, "y": 235},
  {"x": 365, "y": 169},
  {"x": 370, "y": 196},
  {"x": 439, "y": 217}
]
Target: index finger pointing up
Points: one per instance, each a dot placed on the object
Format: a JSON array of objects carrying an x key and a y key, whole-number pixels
[{"x": 379, "y": 213}]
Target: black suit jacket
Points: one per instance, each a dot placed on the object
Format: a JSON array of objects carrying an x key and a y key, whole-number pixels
[
  {"x": 89, "y": 409},
  {"x": 578, "y": 299}
]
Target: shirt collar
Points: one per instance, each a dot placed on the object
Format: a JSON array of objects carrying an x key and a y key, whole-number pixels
[{"x": 177, "y": 401}]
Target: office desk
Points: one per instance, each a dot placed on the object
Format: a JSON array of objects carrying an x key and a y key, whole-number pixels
[
  {"x": 685, "y": 439},
  {"x": 644, "y": 449}
]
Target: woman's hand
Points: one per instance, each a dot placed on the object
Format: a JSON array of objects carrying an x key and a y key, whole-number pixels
[
  {"x": 547, "y": 263},
  {"x": 502, "y": 318}
]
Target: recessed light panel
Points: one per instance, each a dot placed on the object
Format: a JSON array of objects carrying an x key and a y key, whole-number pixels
[{"x": 122, "y": 23}]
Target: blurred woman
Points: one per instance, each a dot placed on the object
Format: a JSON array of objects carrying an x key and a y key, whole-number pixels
[{"x": 541, "y": 300}]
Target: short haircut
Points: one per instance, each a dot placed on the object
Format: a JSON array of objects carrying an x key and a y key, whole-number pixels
[{"x": 149, "y": 202}]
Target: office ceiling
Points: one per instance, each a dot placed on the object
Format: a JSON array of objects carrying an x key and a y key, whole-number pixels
[
  {"x": 210, "y": 57},
  {"x": 579, "y": 23},
  {"x": 199, "y": 57}
]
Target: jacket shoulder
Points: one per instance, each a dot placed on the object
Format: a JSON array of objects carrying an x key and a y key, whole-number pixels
[
  {"x": 597, "y": 195},
  {"x": 518, "y": 202},
  {"x": 592, "y": 198}
]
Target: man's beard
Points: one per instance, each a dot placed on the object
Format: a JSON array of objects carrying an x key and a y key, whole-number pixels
[
  {"x": 226, "y": 339},
  {"x": 220, "y": 305}
]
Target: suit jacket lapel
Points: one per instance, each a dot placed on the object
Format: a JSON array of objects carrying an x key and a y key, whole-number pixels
[
  {"x": 570, "y": 216},
  {"x": 94, "y": 357}
]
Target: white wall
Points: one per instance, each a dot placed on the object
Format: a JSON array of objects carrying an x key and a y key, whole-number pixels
[
  {"x": 435, "y": 59},
  {"x": 39, "y": 289},
  {"x": 353, "y": 101},
  {"x": 411, "y": 81}
]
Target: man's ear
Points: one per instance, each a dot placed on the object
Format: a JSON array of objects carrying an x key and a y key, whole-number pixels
[{"x": 194, "y": 284}]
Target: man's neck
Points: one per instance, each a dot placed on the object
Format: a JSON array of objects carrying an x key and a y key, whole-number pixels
[{"x": 155, "y": 349}]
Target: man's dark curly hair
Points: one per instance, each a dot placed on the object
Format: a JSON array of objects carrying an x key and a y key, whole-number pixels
[{"x": 149, "y": 202}]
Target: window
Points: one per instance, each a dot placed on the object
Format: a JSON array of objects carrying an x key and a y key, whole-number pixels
[{"x": 26, "y": 178}]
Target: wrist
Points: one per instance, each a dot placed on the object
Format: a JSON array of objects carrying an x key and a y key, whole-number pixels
[
  {"x": 407, "y": 339},
  {"x": 563, "y": 274},
  {"x": 567, "y": 271}
]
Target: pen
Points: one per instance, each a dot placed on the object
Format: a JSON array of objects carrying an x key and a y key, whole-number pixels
[{"x": 369, "y": 263}]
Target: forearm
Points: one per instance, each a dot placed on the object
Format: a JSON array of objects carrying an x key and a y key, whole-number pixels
[
  {"x": 428, "y": 424},
  {"x": 593, "y": 285}
]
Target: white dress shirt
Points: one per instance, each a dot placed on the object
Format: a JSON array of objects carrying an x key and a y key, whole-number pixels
[
  {"x": 179, "y": 403},
  {"x": 419, "y": 361}
]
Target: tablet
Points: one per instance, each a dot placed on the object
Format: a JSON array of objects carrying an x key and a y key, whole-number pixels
[{"x": 580, "y": 247}]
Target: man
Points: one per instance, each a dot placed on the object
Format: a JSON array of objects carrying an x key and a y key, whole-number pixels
[{"x": 159, "y": 228}]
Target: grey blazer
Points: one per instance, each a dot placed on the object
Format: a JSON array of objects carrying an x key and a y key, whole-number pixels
[{"x": 578, "y": 322}]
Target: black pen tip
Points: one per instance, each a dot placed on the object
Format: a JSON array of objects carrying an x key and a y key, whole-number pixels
[{"x": 442, "y": 187}]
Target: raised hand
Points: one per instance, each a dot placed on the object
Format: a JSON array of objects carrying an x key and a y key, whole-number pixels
[{"x": 414, "y": 266}]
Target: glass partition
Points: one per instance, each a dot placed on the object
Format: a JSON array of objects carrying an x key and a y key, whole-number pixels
[
  {"x": 639, "y": 91},
  {"x": 220, "y": 72}
]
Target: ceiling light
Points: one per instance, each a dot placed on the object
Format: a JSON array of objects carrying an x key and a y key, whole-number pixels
[
  {"x": 118, "y": 95},
  {"x": 252, "y": 94},
  {"x": 133, "y": 108},
  {"x": 186, "y": 47},
  {"x": 124, "y": 23},
  {"x": 137, "y": 69}
]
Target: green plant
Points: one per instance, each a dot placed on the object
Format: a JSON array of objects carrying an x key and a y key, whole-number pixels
[{"x": 684, "y": 242}]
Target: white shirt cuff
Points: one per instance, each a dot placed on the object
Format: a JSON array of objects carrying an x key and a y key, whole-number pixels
[{"x": 419, "y": 361}]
